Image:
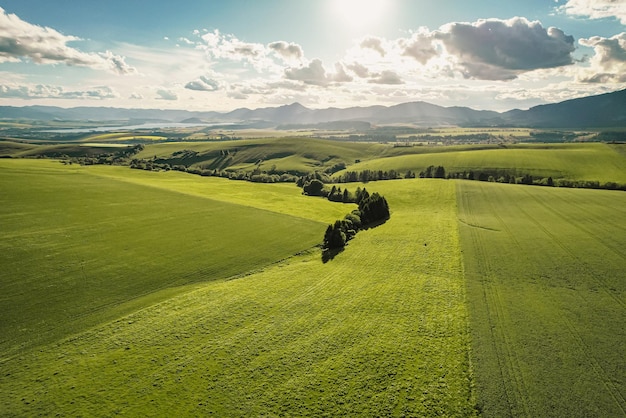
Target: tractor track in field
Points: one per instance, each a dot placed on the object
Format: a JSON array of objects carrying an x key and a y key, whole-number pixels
[
  {"x": 554, "y": 238},
  {"x": 574, "y": 332},
  {"x": 495, "y": 315},
  {"x": 519, "y": 389}
]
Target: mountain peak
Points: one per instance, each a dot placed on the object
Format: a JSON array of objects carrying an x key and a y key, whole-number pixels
[{"x": 295, "y": 106}]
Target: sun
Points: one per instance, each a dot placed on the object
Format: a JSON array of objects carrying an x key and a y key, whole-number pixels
[{"x": 358, "y": 14}]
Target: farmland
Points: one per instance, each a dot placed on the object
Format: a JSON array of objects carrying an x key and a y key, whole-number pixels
[
  {"x": 136, "y": 292},
  {"x": 546, "y": 294},
  {"x": 601, "y": 162},
  {"x": 372, "y": 333},
  {"x": 77, "y": 247}
]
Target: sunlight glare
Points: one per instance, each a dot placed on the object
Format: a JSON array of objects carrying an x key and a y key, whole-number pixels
[{"x": 359, "y": 13}]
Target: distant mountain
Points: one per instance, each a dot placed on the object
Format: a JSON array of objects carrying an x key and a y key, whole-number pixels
[{"x": 595, "y": 111}]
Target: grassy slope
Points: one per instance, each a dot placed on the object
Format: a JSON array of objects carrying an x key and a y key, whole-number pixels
[
  {"x": 379, "y": 331},
  {"x": 601, "y": 162},
  {"x": 283, "y": 198},
  {"x": 287, "y": 154},
  {"x": 76, "y": 246},
  {"x": 545, "y": 270}
]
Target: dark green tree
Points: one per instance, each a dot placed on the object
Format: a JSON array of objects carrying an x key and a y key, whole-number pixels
[{"x": 313, "y": 188}]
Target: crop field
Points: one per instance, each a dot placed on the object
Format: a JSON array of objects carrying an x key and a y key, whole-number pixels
[
  {"x": 136, "y": 292},
  {"x": 546, "y": 295},
  {"x": 599, "y": 162},
  {"x": 379, "y": 331},
  {"x": 77, "y": 248}
]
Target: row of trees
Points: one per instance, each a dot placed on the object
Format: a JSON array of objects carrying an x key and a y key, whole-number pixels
[
  {"x": 373, "y": 210},
  {"x": 316, "y": 187},
  {"x": 501, "y": 176}
]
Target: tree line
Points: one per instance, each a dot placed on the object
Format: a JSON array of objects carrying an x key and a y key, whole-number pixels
[{"x": 372, "y": 210}]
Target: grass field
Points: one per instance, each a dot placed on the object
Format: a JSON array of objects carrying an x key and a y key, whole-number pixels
[
  {"x": 286, "y": 154},
  {"x": 379, "y": 331},
  {"x": 136, "y": 292},
  {"x": 78, "y": 248},
  {"x": 595, "y": 162},
  {"x": 546, "y": 291}
]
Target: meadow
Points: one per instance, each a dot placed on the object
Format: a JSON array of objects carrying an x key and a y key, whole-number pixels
[
  {"x": 546, "y": 295},
  {"x": 379, "y": 331},
  {"x": 584, "y": 161},
  {"x": 78, "y": 248},
  {"x": 137, "y": 292}
]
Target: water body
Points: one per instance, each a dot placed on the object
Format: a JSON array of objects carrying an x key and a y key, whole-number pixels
[{"x": 145, "y": 126}]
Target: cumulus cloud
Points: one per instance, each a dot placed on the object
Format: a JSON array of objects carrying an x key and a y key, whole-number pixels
[
  {"x": 43, "y": 91},
  {"x": 386, "y": 77},
  {"x": 289, "y": 51},
  {"x": 502, "y": 49},
  {"x": 608, "y": 65},
  {"x": 165, "y": 94},
  {"x": 203, "y": 84},
  {"x": 21, "y": 40},
  {"x": 313, "y": 73},
  {"x": 420, "y": 46},
  {"x": 359, "y": 69},
  {"x": 375, "y": 44},
  {"x": 229, "y": 47},
  {"x": 596, "y": 9},
  {"x": 340, "y": 75}
]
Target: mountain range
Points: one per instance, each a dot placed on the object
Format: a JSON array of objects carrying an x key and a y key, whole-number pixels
[{"x": 605, "y": 110}]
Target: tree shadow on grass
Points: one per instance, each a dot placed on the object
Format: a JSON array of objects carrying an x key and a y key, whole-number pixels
[
  {"x": 330, "y": 253},
  {"x": 375, "y": 224}
]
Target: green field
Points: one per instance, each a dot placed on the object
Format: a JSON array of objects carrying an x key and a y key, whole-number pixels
[
  {"x": 546, "y": 291},
  {"x": 78, "y": 247},
  {"x": 379, "y": 331},
  {"x": 594, "y": 161},
  {"x": 147, "y": 293}
]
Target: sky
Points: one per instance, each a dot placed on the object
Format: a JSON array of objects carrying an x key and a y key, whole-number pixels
[{"x": 222, "y": 55}]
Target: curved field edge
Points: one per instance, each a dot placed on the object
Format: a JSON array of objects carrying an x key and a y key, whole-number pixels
[
  {"x": 78, "y": 249},
  {"x": 379, "y": 331},
  {"x": 546, "y": 297}
]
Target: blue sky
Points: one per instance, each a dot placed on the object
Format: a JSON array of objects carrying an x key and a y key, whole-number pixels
[{"x": 221, "y": 55}]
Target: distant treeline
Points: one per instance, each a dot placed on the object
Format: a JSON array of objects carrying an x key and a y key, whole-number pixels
[
  {"x": 256, "y": 176},
  {"x": 364, "y": 176},
  {"x": 497, "y": 176}
]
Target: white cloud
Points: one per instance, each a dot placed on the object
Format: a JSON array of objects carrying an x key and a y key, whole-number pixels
[
  {"x": 608, "y": 65},
  {"x": 43, "y": 91},
  {"x": 203, "y": 84},
  {"x": 375, "y": 44},
  {"x": 420, "y": 46},
  {"x": 288, "y": 51},
  {"x": 359, "y": 69},
  {"x": 340, "y": 75},
  {"x": 596, "y": 9},
  {"x": 228, "y": 47},
  {"x": 166, "y": 94},
  {"x": 386, "y": 77},
  {"x": 314, "y": 73},
  {"x": 21, "y": 40},
  {"x": 502, "y": 49}
]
